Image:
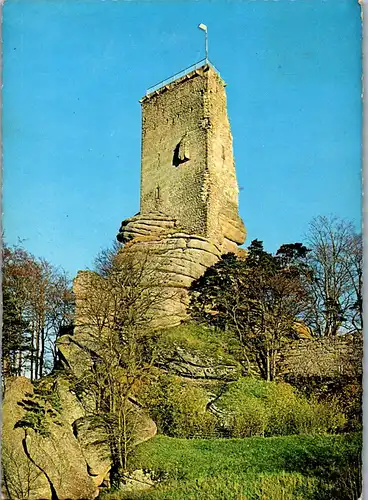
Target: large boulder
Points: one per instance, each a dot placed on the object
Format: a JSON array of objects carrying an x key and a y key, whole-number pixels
[
  {"x": 21, "y": 477},
  {"x": 40, "y": 451},
  {"x": 95, "y": 448},
  {"x": 148, "y": 224},
  {"x": 60, "y": 457},
  {"x": 51, "y": 445},
  {"x": 73, "y": 354},
  {"x": 179, "y": 259},
  {"x": 93, "y": 441}
]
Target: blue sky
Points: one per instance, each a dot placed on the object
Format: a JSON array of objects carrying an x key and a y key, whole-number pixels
[{"x": 73, "y": 72}]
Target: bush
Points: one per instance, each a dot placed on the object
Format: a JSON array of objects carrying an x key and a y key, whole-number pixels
[
  {"x": 258, "y": 408},
  {"x": 344, "y": 391},
  {"x": 250, "y": 407},
  {"x": 179, "y": 409},
  {"x": 313, "y": 417},
  {"x": 350, "y": 398},
  {"x": 251, "y": 420},
  {"x": 187, "y": 405}
]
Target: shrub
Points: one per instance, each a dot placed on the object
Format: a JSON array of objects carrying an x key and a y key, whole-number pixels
[
  {"x": 255, "y": 407},
  {"x": 344, "y": 391},
  {"x": 178, "y": 408},
  {"x": 350, "y": 397},
  {"x": 251, "y": 420},
  {"x": 250, "y": 407},
  {"x": 313, "y": 417},
  {"x": 189, "y": 416}
]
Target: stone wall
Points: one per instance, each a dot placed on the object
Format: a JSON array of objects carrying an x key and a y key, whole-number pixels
[
  {"x": 326, "y": 358},
  {"x": 172, "y": 117},
  {"x": 224, "y": 224}
]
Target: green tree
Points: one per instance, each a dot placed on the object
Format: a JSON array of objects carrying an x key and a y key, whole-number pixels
[
  {"x": 259, "y": 298},
  {"x": 15, "y": 335}
]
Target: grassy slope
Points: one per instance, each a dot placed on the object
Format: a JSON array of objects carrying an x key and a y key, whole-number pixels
[{"x": 300, "y": 467}]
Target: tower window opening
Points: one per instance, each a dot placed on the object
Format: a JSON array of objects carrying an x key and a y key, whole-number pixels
[{"x": 180, "y": 154}]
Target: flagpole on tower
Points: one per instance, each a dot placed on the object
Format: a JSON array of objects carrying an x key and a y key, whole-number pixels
[{"x": 204, "y": 28}]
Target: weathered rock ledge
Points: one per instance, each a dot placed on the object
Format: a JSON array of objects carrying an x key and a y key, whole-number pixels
[
  {"x": 195, "y": 365},
  {"x": 178, "y": 258},
  {"x": 145, "y": 225}
]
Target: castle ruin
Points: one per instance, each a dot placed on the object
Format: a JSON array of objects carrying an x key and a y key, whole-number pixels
[
  {"x": 189, "y": 193},
  {"x": 188, "y": 178}
]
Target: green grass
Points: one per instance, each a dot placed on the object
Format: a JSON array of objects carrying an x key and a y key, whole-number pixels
[
  {"x": 287, "y": 467},
  {"x": 200, "y": 339}
]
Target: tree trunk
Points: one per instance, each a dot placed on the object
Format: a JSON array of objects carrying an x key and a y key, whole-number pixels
[
  {"x": 42, "y": 352},
  {"x": 268, "y": 366},
  {"x": 36, "y": 354},
  {"x": 20, "y": 365},
  {"x": 32, "y": 355}
]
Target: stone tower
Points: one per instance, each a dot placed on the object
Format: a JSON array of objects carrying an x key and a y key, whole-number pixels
[{"x": 188, "y": 174}]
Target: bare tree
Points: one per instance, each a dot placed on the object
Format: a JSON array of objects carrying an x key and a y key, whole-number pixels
[
  {"x": 40, "y": 301},
  {"x": 115, "y": 321},
  {"x": 355, "y": 269},
  {"x": 336, "y": 288},
  {"x": 104, "y": 262},
  {"x": 19, "y": 475}
]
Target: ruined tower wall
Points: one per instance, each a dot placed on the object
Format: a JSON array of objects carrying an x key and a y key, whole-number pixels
[
  {"x": 223, "y": 219},
  {"x": 171, "y": 118},
  {"x": 188, "y": 170}
]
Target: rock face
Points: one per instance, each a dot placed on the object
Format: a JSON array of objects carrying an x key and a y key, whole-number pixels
[
  {"x": 95, "y": 449},
  {"x": 61, "y": 459},
  {"x": 70, "y": 459},
  {"x": 55, "y": 461},
  {"x": 180, "y": 258},
  {"x": 145, "y": 225},
  {"x": 194, "y": 366},
  {"x": 21, "y": 477}
]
